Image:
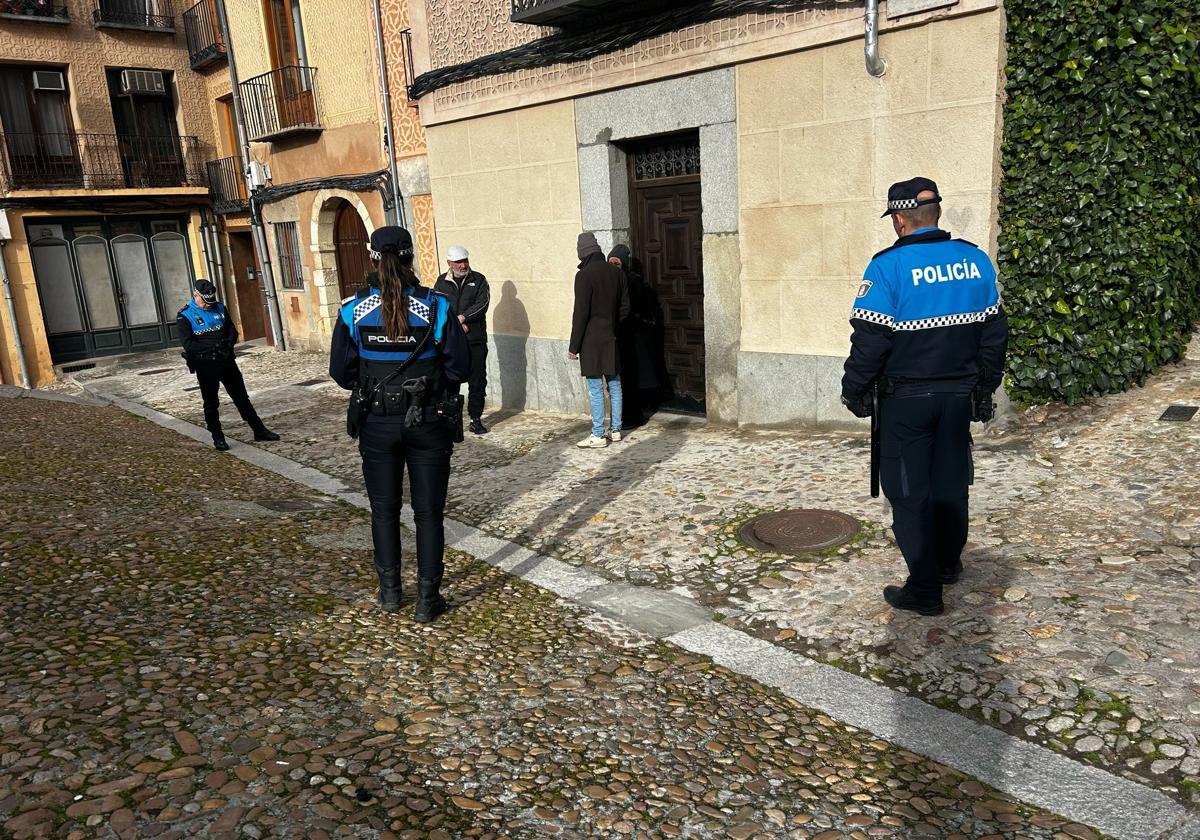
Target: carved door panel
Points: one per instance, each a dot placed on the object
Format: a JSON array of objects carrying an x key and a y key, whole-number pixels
[{"x": 667, "y": 239}]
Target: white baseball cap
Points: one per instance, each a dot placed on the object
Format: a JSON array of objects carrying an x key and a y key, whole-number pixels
[{"x": 455, "y": 253}]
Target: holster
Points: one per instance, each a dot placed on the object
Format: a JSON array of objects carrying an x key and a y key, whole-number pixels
[
  {"x": 983, "y": 408},
  {"x": 357, "y": 410},
  {"x": 451, "y": 408},
  {"x": 187, "y": 358}
]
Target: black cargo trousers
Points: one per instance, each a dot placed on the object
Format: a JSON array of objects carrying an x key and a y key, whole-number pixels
[
  {"x": 925, "y": 470},
  {"x": 211, "y": 374}
]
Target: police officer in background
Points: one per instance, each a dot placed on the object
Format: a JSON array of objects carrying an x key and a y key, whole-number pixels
[
  {"x": 401, "y": 352},
  {"x": 469, "y": 295},
  {"x": 930, "y": 333},
  {"x": 208, "y": 337}
]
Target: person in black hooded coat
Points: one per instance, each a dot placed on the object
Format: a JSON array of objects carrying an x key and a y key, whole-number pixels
[
  {"x": 629, "y": 339},
  {"x": 601, "y": 303}
]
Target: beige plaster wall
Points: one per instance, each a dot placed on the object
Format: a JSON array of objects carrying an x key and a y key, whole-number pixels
[
  {"x": 506, "y": 186},
  {"x": 339, "y": 41},
  {"x": 819, "y": 141}
]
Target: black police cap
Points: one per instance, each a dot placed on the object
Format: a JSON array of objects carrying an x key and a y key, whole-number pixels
[
  {"x": 391, "y": 239},
  {"x": 206, "y": 290},
  {"x": 903, "y": 195}
]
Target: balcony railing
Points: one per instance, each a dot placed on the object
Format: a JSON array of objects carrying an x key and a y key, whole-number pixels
[
  {"x": 45, "y": 11},
  {"x": 227, "y": 185},
  {"x": 205, "y": 44},
  {"x": 99, "y": 161},
  {"x": 148, "y": 15},
  {"x": 281, "y": 102}
]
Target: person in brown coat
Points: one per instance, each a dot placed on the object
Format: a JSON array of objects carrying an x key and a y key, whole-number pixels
[{"x": 601, "y": 303}]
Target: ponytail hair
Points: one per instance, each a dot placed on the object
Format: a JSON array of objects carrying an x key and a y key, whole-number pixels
[{"x": 396, "y": 277}]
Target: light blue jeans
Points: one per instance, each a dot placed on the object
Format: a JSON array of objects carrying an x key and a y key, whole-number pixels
[{"x": 596, "y": 397}]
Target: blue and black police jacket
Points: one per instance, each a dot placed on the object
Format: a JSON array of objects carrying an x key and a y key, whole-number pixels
[
  {"x": 362, "y": 347},
  {"x": 927, "y": 317},
  {"x": 204, "y": 330}
]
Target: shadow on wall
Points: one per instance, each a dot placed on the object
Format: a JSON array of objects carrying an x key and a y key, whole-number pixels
[{"x": 511, "y": 347}]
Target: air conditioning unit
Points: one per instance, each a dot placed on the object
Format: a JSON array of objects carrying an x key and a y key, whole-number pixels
[
  {"x": 143, "y": 81},
  {"x": 49, "y": 80}
]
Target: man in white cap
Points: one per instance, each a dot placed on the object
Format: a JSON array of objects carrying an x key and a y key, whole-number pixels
[{"x": 469, "y": 297}]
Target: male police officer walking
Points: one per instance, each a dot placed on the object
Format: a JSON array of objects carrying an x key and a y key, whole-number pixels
[
  {"x": 470, "y": 296},
  {"x": 208, "y": 337},
  {"x": 930, "y": 333}
]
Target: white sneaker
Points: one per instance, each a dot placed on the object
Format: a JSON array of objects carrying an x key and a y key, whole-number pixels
[
  {"x": 592, "y": 442},
  {"x": 616, "y": 436}
]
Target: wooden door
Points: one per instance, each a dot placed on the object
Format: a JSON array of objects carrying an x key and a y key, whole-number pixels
[
  {"x": 249, "y": 290},
  {"x": 350, "y": 240},
  {"x": 667, "y": 238}
]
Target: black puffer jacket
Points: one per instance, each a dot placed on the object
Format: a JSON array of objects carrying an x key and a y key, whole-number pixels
[{"x": 470, "y": 298}]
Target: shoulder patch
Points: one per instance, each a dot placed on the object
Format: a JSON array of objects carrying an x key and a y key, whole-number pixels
[{"x": 864, "y": 288}]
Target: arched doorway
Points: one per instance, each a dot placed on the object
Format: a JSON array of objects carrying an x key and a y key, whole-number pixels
[{"x": 350, "y": 242}]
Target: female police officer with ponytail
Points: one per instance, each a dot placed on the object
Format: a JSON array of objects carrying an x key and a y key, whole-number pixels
[{"x": 397, "y": 346}]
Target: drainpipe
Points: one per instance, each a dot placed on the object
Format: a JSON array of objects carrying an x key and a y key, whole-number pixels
[
  {"x": 12, "y": 318},
  {"x": 875, "y": 65},
  {"x": 217, "y": 259},
  {"x": 262, "y": 255},
  {"x": 397, "y": 214},
  {"x": 212, "y": 252},
  {"x": 206, "y": 250}
]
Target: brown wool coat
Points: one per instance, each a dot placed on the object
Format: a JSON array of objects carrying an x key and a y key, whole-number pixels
[{"x": 601, "y": 303}]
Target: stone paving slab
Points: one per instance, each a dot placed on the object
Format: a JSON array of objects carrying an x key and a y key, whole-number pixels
[
  {"x": 165, "y": 673},
  {"x": 1074, "y": 627}
]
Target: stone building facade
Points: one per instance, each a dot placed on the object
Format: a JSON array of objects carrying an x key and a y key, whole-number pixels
[
  {"x": 746, "y": 159},
  {"x": 103, "y": 186}
]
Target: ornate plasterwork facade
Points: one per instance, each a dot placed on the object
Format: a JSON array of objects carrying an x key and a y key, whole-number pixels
[
  {"x": 406, "y": 121},
  {"x": 461, "y": 30}
]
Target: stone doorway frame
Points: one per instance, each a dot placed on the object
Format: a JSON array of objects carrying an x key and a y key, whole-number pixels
[
  {"x": 705, "y": 102},
  {"x": 324, "y": 249}
]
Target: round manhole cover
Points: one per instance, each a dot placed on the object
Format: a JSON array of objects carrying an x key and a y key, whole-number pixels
[{"x": 799, "y": 531}]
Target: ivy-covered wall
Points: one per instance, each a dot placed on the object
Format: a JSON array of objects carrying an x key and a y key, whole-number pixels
[{"x": 1100, "y": 199}]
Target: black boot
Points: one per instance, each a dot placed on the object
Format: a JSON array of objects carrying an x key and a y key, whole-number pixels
[
  {"x": 902, "y": 598},
  {"x": 219, "y": 443},
  {"x": 389, "y": 588},
  {"x": 263, "y": 433},
  {"x": 430, "y": 603}
]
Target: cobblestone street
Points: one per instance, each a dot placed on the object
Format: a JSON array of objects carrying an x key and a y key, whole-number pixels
[
  {"x": 1075, "y": 625},
  {"x": 189, "y": 649}
]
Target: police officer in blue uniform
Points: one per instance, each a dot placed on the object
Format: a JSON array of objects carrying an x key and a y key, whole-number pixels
[
  {"x": 208, "y": 337},
  {"x": 400, "y": 350},
  {"x": 929, "y": 333}
]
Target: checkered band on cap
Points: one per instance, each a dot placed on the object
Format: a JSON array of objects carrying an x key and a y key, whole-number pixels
[{"x": 903, "y": 204}]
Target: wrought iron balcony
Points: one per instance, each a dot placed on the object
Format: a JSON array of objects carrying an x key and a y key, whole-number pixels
[
  {"x": 44, "y": 11},
  {"x": 205, "y": 44},
  {"x": 227, "y": 185},
  {"x": 71, "y": 160},
  {"x": 569, "y": 13},
  {"x": 281, "y": 102},
  {"x": 146, "y": 15}
]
